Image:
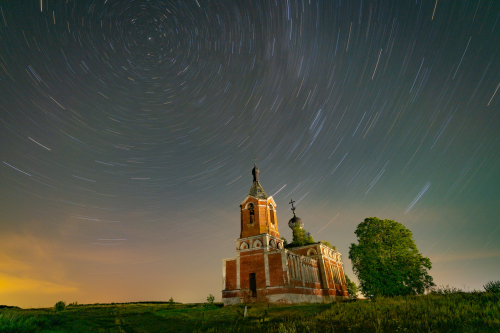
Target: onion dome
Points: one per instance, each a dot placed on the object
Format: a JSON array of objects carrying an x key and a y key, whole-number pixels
[{"x": 295, "y": 219}]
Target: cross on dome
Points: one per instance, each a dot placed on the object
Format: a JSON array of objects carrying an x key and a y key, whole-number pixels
[{"x": 293, "y": 208}]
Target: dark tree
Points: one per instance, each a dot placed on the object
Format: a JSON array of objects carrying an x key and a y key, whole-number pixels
[
  {"x": 300, "y": 236},
  {"x": 352, "y": 288},
  {"x": 386, "y": 260},
  {"x": 61, "y": 305}
]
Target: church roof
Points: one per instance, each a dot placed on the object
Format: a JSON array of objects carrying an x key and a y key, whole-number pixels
[{"x": 257, "y": 191}]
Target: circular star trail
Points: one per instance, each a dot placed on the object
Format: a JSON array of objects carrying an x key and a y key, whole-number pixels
[{"x": 129, "y": 128}]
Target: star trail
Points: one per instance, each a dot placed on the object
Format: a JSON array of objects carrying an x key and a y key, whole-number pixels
[{"x": 129, "y": 130}]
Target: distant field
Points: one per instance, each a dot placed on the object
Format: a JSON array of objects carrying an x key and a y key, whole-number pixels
[{"x": 457, "y": 312}]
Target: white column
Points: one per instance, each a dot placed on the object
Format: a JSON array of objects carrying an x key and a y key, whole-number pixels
[
  {"x": 223, "y": 275},
  {"x": 266, "y": 269},
  {"x": 285, "y": 267},
  {"x": 303, "y": 274},
  {"x": 322, "y": 268}
]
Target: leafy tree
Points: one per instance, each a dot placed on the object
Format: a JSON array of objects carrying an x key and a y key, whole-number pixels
[
  {"x": 171, "y": 301},
  {"x": 386, "y": 260},
  {"x": 309, "y": 239},
  {"x": 352, "y": 288},
  {"x": 285, "y": 242},
  {"x": 60, "y": 305},
  {"x": 300, "y": 236},
  {"x": 210, "y": 299}
]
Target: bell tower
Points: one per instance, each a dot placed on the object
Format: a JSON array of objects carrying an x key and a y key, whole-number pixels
[{"x": 258, "y": 211}]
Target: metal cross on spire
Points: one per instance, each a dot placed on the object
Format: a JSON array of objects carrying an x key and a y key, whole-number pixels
[
  {"x": 255, "y": 160},
  {"x": 293, "y": 208}
]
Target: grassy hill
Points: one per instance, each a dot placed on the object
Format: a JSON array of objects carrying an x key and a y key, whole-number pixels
[{"x": 447, "y": 312}]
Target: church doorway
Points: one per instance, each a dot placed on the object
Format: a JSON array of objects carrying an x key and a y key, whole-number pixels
[{"x": 253, "y": 285}]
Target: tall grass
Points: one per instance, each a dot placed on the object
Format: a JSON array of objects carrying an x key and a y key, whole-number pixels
[
  {"x": 444, "y": 310},
  {"x": 16, "y": 322},
  {"x": 458, "y": 312}
]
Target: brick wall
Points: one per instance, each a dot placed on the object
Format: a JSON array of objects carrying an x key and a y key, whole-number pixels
[
  {"x": 275, "y": 269},
  {"x": 231, "y": 275},
  {"x": 252, "y": 264}
]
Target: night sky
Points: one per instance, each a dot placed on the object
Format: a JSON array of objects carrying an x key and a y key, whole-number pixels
[{"x": 129, "y": 130}]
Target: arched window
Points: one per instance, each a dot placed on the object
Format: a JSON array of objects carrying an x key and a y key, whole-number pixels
[
  {"x": 311, "y": 252},
  {"x": 252, "y": 212},
  {"x": 271, "y": 213}
]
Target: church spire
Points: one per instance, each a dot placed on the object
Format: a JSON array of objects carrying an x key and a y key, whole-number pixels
[
  {"x": 256, "y": 190},
  {"x": 255, "y": 171}
]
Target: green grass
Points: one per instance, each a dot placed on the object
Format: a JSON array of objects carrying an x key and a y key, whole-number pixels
[{"x": 447, "y": 312}]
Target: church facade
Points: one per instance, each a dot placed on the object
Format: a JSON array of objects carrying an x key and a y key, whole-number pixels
[{"x": 263, "y": 270}]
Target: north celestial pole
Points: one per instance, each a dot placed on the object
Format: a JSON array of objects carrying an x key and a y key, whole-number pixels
[{"x": 128, "y": 129}]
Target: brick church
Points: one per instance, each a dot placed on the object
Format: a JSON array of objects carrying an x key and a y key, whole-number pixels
[{"x": 264, "y": 270}]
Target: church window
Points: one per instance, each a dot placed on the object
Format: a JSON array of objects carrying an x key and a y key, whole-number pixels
[
  {"x": 311, "y": 252},
  {"x": 252, "y": 213},
  {"x": 271, "y": 213}
]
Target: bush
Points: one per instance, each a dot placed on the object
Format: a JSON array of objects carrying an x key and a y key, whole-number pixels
[
  {"x": 445, "y": 290},
  {"x": 327, "y": 243},
  {"x": 210, "y": 299},
  {"x": 171, "y": 301},
  {"x": 492, "y": 287},
  {"x": 60, "y": 306}
]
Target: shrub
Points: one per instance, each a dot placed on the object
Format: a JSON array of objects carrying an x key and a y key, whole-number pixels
[
  {"x": 210, "y": 299},
  {"x": 60, "y": 306},
  {"x": 492, "y": 287},
  {"x": 171, "y": 301},
  {"x": 445, "y": 290},
  {"x": 327, "y": 243}
]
